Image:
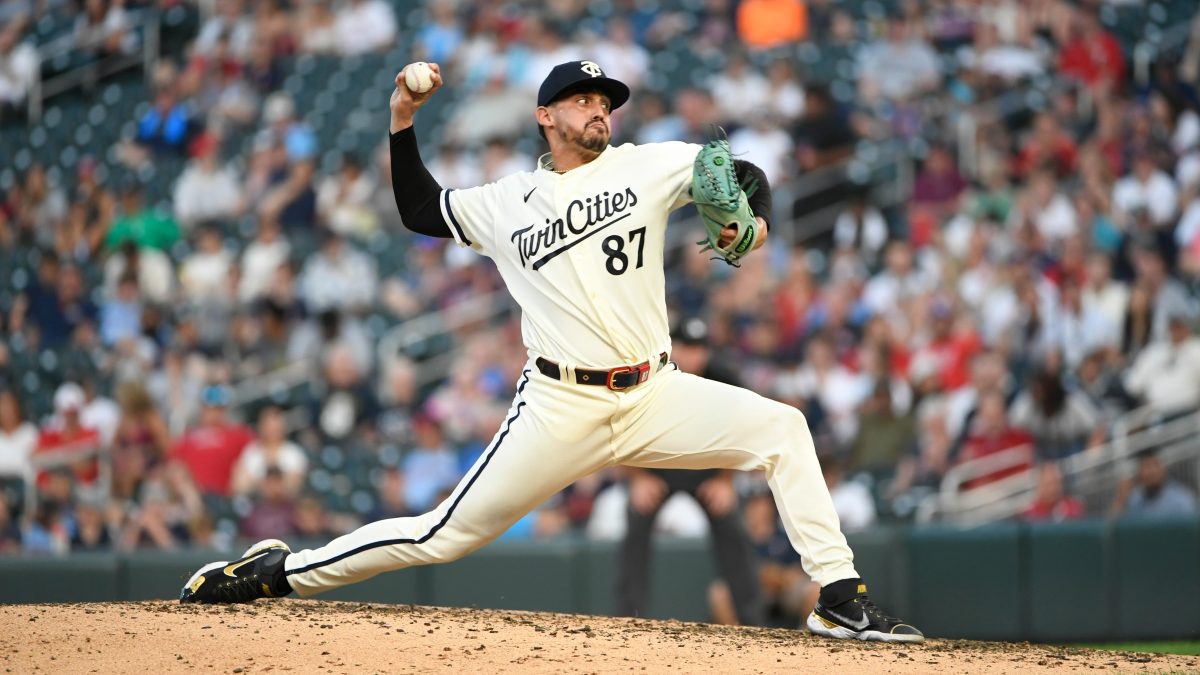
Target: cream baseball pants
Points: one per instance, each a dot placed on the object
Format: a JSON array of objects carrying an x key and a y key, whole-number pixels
[{"x": 557, "y": 432}]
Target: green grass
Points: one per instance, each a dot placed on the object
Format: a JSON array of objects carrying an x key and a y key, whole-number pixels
[{"x": 1187, "y": 648}]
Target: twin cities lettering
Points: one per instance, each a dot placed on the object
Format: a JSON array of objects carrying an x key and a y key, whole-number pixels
[{"x": 584, "y": 217}]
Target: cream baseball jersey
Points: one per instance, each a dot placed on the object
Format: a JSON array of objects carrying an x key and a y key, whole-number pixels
[{"x": 582, "y": 251}]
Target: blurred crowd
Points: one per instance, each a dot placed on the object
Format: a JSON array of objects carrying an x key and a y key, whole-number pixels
[{"x": 1036, "y": 281}]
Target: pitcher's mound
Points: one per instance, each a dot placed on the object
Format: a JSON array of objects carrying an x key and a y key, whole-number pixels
[{"x": 337, "y": 637}]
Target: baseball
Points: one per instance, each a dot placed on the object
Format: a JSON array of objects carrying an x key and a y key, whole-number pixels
[{"x": 418, "y": 77}]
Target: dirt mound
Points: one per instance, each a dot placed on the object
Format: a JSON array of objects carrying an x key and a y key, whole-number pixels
[{"x": 335, "y": 637}]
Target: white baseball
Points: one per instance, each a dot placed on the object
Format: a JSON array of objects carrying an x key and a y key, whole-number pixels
[{"x": 418, "y": 77}]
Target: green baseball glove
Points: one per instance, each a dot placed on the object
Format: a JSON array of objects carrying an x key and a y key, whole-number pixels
[{"x": 722, "y": 201}]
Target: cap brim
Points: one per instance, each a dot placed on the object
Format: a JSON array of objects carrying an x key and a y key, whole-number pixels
[{"x": 616, "y": 90}]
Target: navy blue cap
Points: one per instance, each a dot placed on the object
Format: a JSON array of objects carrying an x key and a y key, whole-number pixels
[{"x": 567, "y": 76}]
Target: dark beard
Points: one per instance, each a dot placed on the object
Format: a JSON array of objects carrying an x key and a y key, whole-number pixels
[{"x": 595, "y": 143}]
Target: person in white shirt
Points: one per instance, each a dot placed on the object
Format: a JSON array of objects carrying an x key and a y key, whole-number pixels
[
  {"x": 739, "y": 90},
  {"x": 271, "y": 449},
  {"x": 344, "y": 200},
  {"x": 261, "y": 258},
  {"x": 338, "y": 276},
  {"x": 1166, "y": 375},
  {"x": 206, "y": 190},
  {"x": 898, "y": 282},
  {"x": 1101, "y": 293},
  {"x": 853, "y": 501},
  {"x": 205, "y": 274},
  {"x": 18, "y": 439},
  {"x": 1148, "y": 188},
  {"x": 18, "y": 68},
  {"x": 364, "y": 26}
]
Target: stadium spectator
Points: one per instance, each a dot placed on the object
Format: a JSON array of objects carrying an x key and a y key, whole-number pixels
[
  {"x": 344, "y": 201},
  {"x": 18, "y": 68},
  {"x": 10, "y": 530},
  {"x": 1166, "y": 374},
  {"x": 899, "y": 67},
  {"x": 316, "y": 27},
  {"x": 364, "y": 26},
  {"x": 229, "y": 23},
  {"x": 939, "y": 185},
  {"x": 623, "y": 58},
  {"x": 207, "y": 190},
  {"x": 439, "y": 39},
  {"x": 883, "y": 435},
  {"x": 166, "y": 509},
  {"x": 338, "y": 277},
  {"x": 1050, "y": 502},
  {"x": 852, "y": 500},
  {"x": 18, "y": 440},
  {"x": 42, "y": 205},
  {"x": 739, "y": 90},
  {"x": 764, "y": 24},
  {"x": 429, "y": 467},
  {"x": 763, "y": 143},
  {"x": 144, "y": 225},
  {"x": 102, "y": 29},
  {"x": 91, "y": 530},
  {"x": 141, "y": 442},
  {"x": 121, "y": 315},
  {"x": 58, "y": 310},
  {"x": 211, "y": 449},
  {"x": 205, "y": 276},
  {"x": 273, "y": 513},
  {"x": 270, "y": 450},
  {"x": 65, "y": 442},
  {"x": 151, "y": 268},
  {"x": 1091, "y": 54},
  {"x": 862, "y": 228},
  {"x": 1151, "y": 493},
  {"x": 991, "y": 434},
  {"x": 1062, "y": 421},
  {"x": 260, "y": 259},
  {"x": 1146, "y": 188}
]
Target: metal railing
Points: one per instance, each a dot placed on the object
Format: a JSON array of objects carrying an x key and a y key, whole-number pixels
[
  {"x": 147, "y": 22},
  {"x": 1091, "y": 475}
]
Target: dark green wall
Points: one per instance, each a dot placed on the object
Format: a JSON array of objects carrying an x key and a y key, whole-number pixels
[{"x": 1075, "y": 581}]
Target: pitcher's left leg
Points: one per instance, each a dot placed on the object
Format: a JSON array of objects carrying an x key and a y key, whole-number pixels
[{"x": 678, "y": 420}]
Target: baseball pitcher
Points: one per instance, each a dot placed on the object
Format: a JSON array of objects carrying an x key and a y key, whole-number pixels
[{"x": 579, "y": 242}]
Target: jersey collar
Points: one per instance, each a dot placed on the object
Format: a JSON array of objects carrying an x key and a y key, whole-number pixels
[{"x": 546, "y": 161}]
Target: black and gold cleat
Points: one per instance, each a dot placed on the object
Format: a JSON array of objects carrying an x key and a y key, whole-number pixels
[
  {"x": 259, "y": 573},
  {"x": 845, "y": 612}
]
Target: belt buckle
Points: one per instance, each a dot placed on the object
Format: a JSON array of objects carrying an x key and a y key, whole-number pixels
[
  {"x": 643, "y": 371},
  {"x": 617, "y": 371}
]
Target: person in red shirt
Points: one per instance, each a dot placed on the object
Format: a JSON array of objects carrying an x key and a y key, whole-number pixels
[
  {"x": 949, "y": 350},
  {"x": 1092, "y": 55},
  {"x": 1047, "y": 147},
  {"x": 66, "y": 441},
  {"x": 210, "y": 450},
  {"x": 1050, "y": 503},
  {"x": 991, "y": 434}
]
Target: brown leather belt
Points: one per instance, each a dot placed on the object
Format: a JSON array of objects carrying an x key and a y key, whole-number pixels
[{"x": 616, "y": 379}]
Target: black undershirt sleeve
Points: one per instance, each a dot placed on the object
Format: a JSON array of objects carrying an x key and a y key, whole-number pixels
[
  {"x": 415, "y": 189},
  {"x": 760, "y": 201}
]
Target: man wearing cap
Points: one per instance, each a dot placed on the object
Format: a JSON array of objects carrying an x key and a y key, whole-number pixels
[
  {"x": 65, "y": 441},
  {"x": 579, "y": 242},
  {"x": 212, "y": 448}
]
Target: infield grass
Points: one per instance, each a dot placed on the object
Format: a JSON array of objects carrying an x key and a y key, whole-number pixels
[{"x": 1191, "y": 648}]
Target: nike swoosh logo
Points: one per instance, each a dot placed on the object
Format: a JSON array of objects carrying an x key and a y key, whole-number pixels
[
  {"x": 857, "y": 625},
  {"x": 527, "y": 194},
  {"x": 230, "y": 569}
]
